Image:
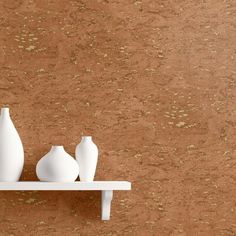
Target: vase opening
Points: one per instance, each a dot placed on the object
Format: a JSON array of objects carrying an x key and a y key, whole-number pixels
[
  {"x": 57, "y": 148},
  {"x": 86, "y": 138},
  {"x": 5, "y": 111}
]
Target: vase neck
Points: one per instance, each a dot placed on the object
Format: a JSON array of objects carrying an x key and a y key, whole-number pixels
[
  {"x": 57, "y": 148},
  {"x": 5, "y": 112},
  {"x": 86, "y": 139}
]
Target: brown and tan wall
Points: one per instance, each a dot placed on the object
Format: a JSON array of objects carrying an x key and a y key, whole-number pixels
[{"x": 154, "y": 83}]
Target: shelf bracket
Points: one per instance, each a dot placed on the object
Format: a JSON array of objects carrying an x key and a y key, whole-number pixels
[{"x": 106, "y": 204}]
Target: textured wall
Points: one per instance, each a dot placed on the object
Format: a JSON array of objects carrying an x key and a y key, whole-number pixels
[{"x": 154, "y": 83}]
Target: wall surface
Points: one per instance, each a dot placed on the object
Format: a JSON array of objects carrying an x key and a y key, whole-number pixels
[{"x": 154, "y": 82}]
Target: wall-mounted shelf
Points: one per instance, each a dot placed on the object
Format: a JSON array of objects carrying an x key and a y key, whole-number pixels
[{"x": 106, "y": 187}]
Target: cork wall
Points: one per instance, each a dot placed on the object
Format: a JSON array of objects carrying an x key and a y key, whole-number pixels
[{"x": 154, "y": 83}]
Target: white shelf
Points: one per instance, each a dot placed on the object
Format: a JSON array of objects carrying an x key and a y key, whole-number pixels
[
  {"x": 106, "y": 187},
  {"x": 36, "y": 185}
]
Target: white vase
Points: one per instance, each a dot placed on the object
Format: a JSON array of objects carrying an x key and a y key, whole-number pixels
[
  {"x": 57, "y": 166},
  {"x": 86, "y": 153},
  {"x": 11, "y": 149}
]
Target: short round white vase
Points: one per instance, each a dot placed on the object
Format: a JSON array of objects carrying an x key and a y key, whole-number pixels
[
  {"x": 86, "y": 153},
  {"x": 57, "y": 166}
]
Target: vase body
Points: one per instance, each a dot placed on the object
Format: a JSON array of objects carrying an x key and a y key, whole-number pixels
[
  {"x": 86, "y": 153},
  {"x": 11, "y": 149},
  {"x": 57, "y": 166}
]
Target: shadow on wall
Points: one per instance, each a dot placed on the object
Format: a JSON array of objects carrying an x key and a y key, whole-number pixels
[{"x": 36, "y": 205}]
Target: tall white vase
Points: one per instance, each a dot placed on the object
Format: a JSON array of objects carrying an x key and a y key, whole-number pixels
[
  {"x": 57, "y": 166},
  {"x": 86, "y": 153},
  {"x": 11, "y": 149}
]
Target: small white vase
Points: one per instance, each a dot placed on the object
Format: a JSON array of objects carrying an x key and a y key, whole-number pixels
[
  {"x": 57, "y": 166},
  {"x": 86, "y": 153},
  {"x": 11, "y": 149}
]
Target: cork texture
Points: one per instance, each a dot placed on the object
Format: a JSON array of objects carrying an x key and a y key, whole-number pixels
[{"x": 154, "y": 83}]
